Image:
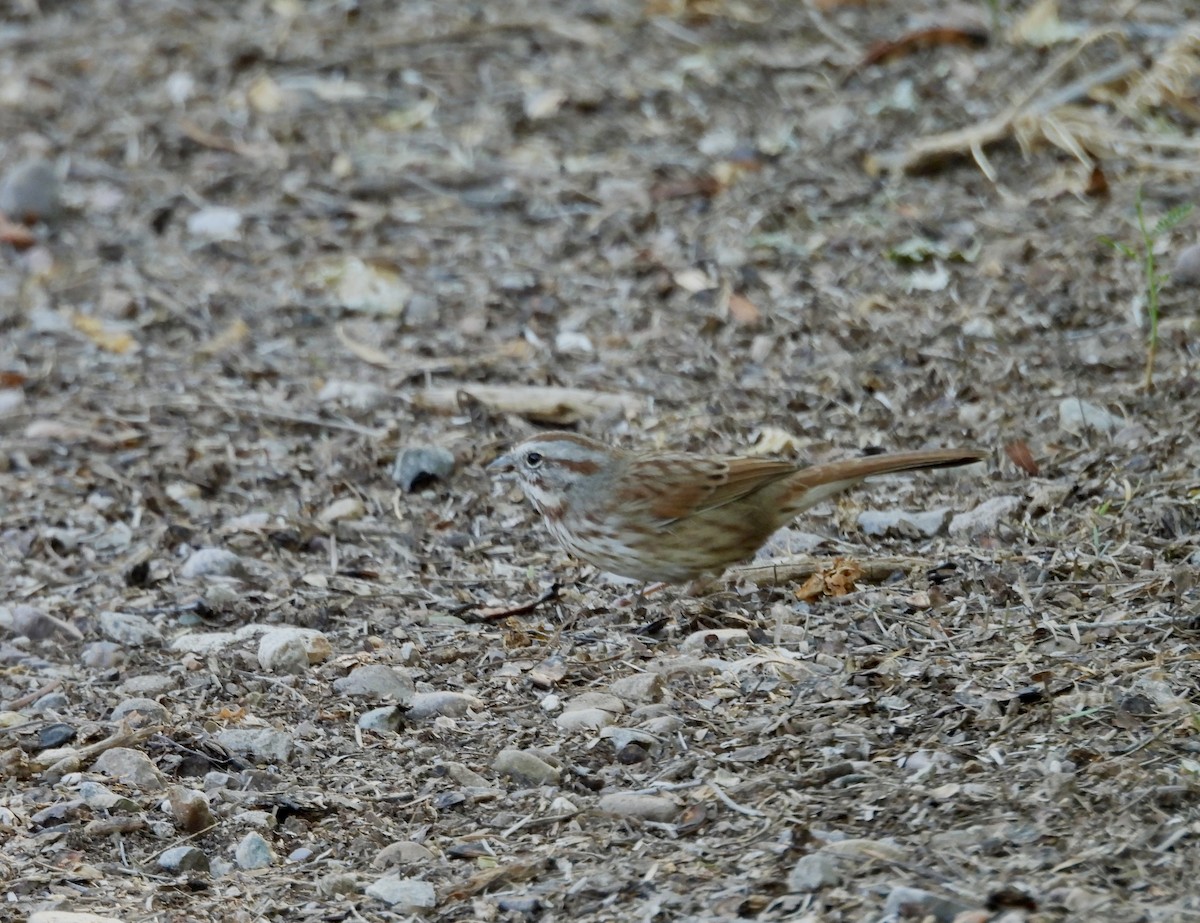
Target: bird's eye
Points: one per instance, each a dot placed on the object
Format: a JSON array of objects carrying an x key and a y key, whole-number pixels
[{"x": 533, "y": 460}]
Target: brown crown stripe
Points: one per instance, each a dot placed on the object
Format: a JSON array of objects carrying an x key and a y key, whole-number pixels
[{"x": 580, "y": 466}]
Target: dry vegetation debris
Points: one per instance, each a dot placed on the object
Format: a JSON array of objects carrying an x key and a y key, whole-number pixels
[{"x": 244, "y": 675}]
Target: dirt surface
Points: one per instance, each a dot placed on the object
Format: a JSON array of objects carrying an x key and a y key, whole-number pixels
[{"x": 283, "y": 223}]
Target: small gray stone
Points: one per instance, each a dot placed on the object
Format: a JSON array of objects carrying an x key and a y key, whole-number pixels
[
  {"x": 1187, "y": 266},
  {"x": 253, "y": 852},
  {"x": 140, "y": 712},
  {"x": 212, "y": 562},
  {"x": 1076, "y": 416},
  {"x": 437, "y": 704},
  {"x": 913, "y": 903},
  {"x": 50, "y": 702},
  {"x": 190, "y": 809},
  {"x": 149, "y": 684},
  {"x": 416, "y": 466},
  {"x": 265, "y": 745},
  {"x": 101, "y": 798},
  {"x": 103, "y": 655},
  {"x": 183, "y": 859},
  {"x": 919, "y": 523},
  {"x": 291, "y": 650},
  {"x": 647, "y": 807},
  {"x": 378, "y": 682},
  {"x": 33, "y": 623},
  {"x": 985, "y": 517},
  {"x": 638, "y": 687},
  {"x": 128, "y": 629},
  {"x": 385, "y": 720},
  {"x": 131, "y": 767},
  {"x": 405, "y": 895},
  {"x": 421, "y": 311},
  {"x": 337, "y": 883},
  {"x": 813, "y": 872},
  {"x": 405, "y": 852},
  {"x": 525, "y": 767},
  {"x": 30, "y": 192}
]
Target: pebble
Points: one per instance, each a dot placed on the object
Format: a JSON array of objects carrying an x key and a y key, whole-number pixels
[
  {"x": 216, "y": 222},
  {"x": 55, "y": 735},
  {"x": 212, "y": 562},
  {"x": 254, "y": 852},
  {"x": 1187, "y": 266},
  {"x": 337, "y": 883},
  {"x": 30, "y": 192},
  {"x": 584, "y": 719},
  {"x": 647, "y": 807},
  {"x": 50, "y": 702},
  {"x": 265, "y": 745},
  {"x": 1076, "y": 416},
  {"x": 102, "y": 798},
  {"x": 379, "y": 682},
  {"x": 128, "y": 629},
  {"x": 441, "y": 704},
  {"x": 343, "y": 509},
  {"x": 985, "y": 517},
  {"x": 623, "y": 737},
  {"x": 813, "y": 872},
  {"x": 641, "y": 688},
  {"x": 132, "y": 767},
  {"x": 183, "y": 859},
  {"x": 357, "y": 395},
  {"x": 190, "y": 809},
  {"x": 291, "y": 650},
  {"x": 404, "y": 894},
  {"x": 405, "y": 852},
  {"x": 385, "y": 720},
  {"x": 33, "y": 623},
  {"x": 925, "y": 523},
  {"x": 416, "y": 466},
  {"x": 149, "y": 684},
  {"x": 140, "y": 712},
  {"x": 525, "y": 767},
  {"x": 421, "y": 311},
  {"x": 103, "y": 655},
  {"x": 465, "y": 776},
  {"x": 69, "y": 916},
  {"x": 905, "y": 903},
  {"x": 714, "y": 638}
]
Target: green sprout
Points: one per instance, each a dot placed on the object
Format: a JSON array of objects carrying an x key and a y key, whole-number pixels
[{"x": 1151, "y": 275}]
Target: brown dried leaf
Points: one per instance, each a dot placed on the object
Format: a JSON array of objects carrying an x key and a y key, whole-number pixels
[
  {"x": 743, "y": 312},
  {"x": 113, "y": 341},
  {"x": 1019, "y": 454}
]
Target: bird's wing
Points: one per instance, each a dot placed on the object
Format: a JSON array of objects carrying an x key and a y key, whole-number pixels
[{"x": 672, "y": 486}]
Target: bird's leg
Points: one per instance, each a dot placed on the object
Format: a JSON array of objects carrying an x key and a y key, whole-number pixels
[{"x": 639, "y": 598}]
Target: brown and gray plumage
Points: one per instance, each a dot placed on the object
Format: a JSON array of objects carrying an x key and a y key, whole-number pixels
[{"x": 674, "y": 516}]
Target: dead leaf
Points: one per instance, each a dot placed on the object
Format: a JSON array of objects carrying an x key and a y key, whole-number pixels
[
  {"x": 1019, "y": 454},
  {"x": 812, "y": 589},
  {"x": 364, "y": 351},
  {"x": 743, "y": 312},
  {"x": 108, "y": 339},
  {"x": 886, "y": 51},
  {"x": 226, "y": 340},
  {"x": 844, "y": 577}
]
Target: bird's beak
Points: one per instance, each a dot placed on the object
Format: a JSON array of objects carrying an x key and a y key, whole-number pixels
[{"x": 502, "y": 465}]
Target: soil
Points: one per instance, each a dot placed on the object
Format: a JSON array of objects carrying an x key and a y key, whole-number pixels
[{"x": 283, "y": 224}]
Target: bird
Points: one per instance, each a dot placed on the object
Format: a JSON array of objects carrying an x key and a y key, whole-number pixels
[{"x": 674, "y": 517}]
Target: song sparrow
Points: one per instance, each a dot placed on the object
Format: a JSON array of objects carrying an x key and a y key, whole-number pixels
[{"x": 673, "y": 516}]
